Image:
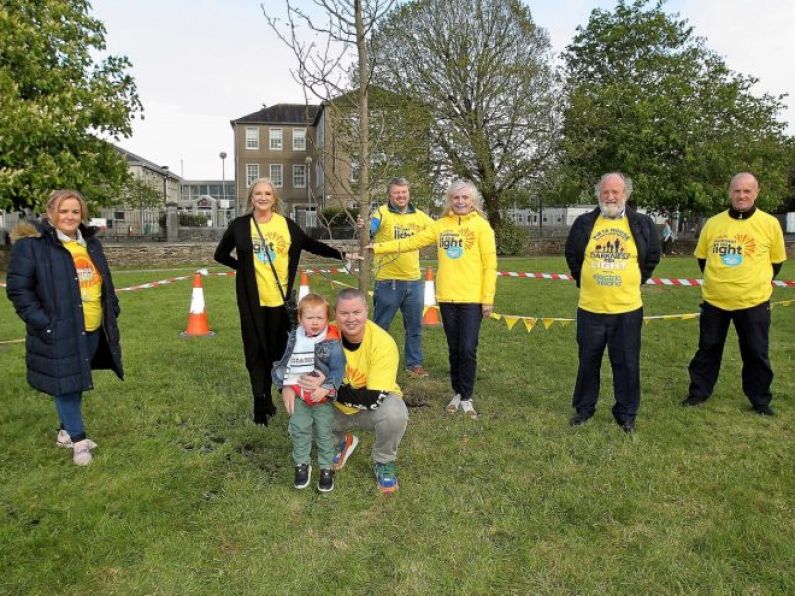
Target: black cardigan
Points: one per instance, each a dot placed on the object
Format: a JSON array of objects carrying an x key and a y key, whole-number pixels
[
  {"x": 643, "y": 232},
  {"x": 238, "y": 237}
]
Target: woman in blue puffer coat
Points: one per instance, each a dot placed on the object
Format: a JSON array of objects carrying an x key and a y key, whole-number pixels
[{"x": 61, "y": 287}]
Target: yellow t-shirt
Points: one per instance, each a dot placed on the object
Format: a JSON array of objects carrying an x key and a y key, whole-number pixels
[
  {"x": 90, "y": 281},
  {"x": 277, "y": 237},
  {"x": 404, "y": 265},
  {"x": 610, "y": 278},
  {"x": 739, "y": 255},
  {"x": 467, "y": 255},
  {"x": 373, "y": 365}
]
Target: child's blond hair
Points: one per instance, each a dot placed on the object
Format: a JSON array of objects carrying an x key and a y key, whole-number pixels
[{"x": 312, "y": 300}]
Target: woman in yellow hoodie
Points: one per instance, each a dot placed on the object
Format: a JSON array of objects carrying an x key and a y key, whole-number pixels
[{"x": 465, "y": 283}]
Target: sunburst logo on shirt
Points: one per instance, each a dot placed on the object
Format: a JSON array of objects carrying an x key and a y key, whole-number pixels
[
  {"x": 276, "y": 245},
  {"x": 354, "y": 377},
  {"x": 468, "y": 236},
  {"x": 276, "y": 242},
  {"x": 87, "y": 273},
  {"x": 747, "y": 242}
]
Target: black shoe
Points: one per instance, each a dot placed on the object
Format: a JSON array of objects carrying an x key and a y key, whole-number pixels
[
  {"x": 580, "y": 418},
  {"x": 263, "y": 409},
  {"x": 303, "y": 475},
  {"x": 628, "y": 426},
  {"x": 326, "y": 482},
  {"x": 692, "y": 400},
  {"x": 764, "y": 410}
]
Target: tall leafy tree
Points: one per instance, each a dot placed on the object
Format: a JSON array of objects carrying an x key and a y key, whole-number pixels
[
  {"x": 647, "y": 97},
  {"x": 58, "y": 103},
  {"x": 482, "y": 70}
]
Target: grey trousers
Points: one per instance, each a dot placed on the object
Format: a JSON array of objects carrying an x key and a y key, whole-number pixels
[{"x": 388, "y": 421}]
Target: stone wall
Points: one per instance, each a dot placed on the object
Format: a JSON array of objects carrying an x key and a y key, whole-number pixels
[
  {"x": 164, "y": 255},
  {"x": 546, "y": 247},
  {"x": 5, "y": 256}
]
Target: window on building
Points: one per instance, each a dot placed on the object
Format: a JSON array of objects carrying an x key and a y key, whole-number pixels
[
  {"x": 299, "y": 139},
  {"x": 252, "y": 173},
  {"x": 299, "y": 176},
  {"x": 277, "y": 175},
  {"x": 276, "y": 139},
  {"x": 252, "y": 137}
]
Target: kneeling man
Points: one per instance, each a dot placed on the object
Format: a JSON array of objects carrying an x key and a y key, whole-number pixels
[{"x": 369, "y": 397}]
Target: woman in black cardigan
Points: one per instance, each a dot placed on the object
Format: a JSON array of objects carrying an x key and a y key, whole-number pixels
[{"x": 265, "y": 241}]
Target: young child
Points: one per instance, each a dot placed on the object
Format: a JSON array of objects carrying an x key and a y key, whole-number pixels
[{"x": 313, "y": 347}]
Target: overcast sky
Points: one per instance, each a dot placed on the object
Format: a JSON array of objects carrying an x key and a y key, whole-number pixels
[{"x": 200, "y": 63}]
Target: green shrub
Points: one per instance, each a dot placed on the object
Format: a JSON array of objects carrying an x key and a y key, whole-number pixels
[
  {"x": 511, "y": 239},
  {"x": 186, "y": 220}
]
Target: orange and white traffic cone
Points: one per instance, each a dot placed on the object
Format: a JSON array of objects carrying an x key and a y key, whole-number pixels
[
  {"x": 430, "y": 312},
  {"x": 197, "y": 317},
  {"x": 303, "y": 289}
]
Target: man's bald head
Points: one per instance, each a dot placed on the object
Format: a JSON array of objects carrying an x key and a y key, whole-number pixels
[{"x": 743, "y": 190}]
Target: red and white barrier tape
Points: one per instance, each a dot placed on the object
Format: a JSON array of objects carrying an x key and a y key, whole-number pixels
[{"x": 654, "y": 281}]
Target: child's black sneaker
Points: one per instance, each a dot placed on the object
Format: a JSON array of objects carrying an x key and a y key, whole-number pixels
[
  {"x": 303, "y": 475},
  {"x": 326, "y": 482}
]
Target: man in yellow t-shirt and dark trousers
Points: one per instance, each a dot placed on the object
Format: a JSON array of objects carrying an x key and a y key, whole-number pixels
[
  {"x": 740, "y": 251},
  {"x": 611, "y": 252},
  {"x": 369, "y": 396},
  {"x": 398, "y": 283}
]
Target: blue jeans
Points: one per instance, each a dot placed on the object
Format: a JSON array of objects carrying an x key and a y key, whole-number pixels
[
  {"x": 409, "y": 297},
  {"x": 69, "y": 405},
  {"x": 621, "y": 334},
  {"x": 461, "y": 324}
]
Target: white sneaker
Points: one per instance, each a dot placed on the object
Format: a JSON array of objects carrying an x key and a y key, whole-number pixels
[
  {"x": 65, "y": 441},
  {"x": 82, "y": 453},
  {"x": 468, "y": 409},
  {"x": 454, "y": 403}
]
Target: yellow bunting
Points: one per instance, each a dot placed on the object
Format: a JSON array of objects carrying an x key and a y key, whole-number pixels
[
  {"x": 689, "y": 316},
  {"x": 529, "y": 323},
  {"x": 511, "y": 321},
  {"x": 547, "y": 323}
]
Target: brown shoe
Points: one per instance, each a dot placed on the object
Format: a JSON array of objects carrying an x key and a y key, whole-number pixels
[{"x": 417, "y": 372}]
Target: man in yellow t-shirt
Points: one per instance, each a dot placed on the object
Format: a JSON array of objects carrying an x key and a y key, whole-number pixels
[
  {"x": 369, "y": 396},
  {"x": 611, "y": 252},
  {"x": 740, "y": 251}
]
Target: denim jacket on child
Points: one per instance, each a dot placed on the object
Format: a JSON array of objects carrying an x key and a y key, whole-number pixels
[{"x": 329, "y": 360}]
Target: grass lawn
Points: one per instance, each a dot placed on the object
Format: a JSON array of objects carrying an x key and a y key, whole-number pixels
[{"x": 187, "y": 496}]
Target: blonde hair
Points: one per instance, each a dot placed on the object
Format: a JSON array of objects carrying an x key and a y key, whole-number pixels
[
  {"x": 313, "y": 300},
  {"x": 277, "y": 202},
  {"x": 455, "y": 186},
  {"x": 59, "y": 196}
]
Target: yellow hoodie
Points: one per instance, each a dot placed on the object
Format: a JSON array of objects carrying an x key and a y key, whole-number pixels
[{"x": 467, "y": 256}]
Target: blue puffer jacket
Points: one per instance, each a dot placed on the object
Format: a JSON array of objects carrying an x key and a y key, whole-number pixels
[{"x": 43, "y": 286}]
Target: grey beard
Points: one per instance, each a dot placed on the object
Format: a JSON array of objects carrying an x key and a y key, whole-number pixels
[{"x": 617, "y": 214}]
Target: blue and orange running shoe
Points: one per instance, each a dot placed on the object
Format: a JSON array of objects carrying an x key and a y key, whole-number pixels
[
  {"x": 344, "y": 450},
  {"x": 385, "y": 474}
]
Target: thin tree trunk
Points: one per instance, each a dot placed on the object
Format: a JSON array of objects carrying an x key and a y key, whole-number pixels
[{"x": 364, "y": 147}]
